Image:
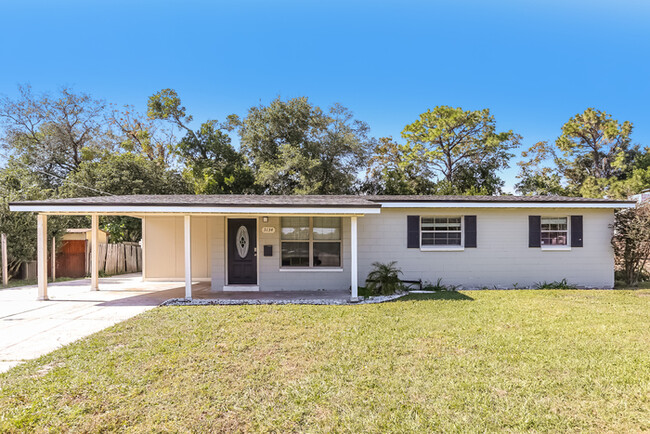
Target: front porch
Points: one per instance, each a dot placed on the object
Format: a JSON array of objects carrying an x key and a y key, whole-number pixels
[
  {"x": 232, "y": 245},
  {"x": 202, "y": 291}
]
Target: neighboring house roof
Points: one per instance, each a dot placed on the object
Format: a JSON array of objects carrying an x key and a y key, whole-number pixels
[
  {"x": 81, "y": 230},
  {"x": 343, "y": 204},
  {"x": 644, "y": 196}
]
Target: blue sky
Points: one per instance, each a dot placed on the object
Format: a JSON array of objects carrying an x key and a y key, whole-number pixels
[{"x": 533, "y": 63}]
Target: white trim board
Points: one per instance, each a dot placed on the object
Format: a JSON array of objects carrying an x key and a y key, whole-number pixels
[
  {"x": 87, "y": 209},
  {"x": 176, "y": 279},
  {"x": 574, "y": 205}
]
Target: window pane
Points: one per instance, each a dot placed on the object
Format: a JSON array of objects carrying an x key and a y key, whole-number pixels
[
  {"x": 554, "y": 238},
  {"x": 295, "y": 228},
  {"x": 441, "y": 223},
  {"x": 327, "y": 228},
  {"x": 554, "y": 224},
  {"x": 295, "y": 254},
  {"x": 441, "y": 238},
  {"x": 327, "y": 254}
]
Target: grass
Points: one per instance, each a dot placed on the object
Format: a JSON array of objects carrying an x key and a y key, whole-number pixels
[{"x": 530, "y": 360}]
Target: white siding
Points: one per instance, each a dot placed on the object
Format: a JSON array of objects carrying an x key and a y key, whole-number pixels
[
  {"x": 502, "y": 257},
  {"x": 274, "y": 279},
  {"x": 218, "y": 245},
  {"x": 164, "y": 247}
]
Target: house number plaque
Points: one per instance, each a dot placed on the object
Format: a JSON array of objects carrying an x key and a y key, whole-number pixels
[{"x": 268, "y": 230}]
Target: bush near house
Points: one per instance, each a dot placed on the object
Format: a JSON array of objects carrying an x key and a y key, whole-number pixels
[
  {"x": 631, "y": 242},
  {"x": 384, "y": 279}
]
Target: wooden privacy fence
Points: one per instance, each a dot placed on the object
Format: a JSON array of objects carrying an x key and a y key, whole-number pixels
[{"x": 117, "y": 258}]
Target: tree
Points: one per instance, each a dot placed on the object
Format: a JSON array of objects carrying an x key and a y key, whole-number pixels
[
  {"x": 455, "y": 142},
  {"x": 631, "y": 241},
  {"x": 123, "y": 174},
  {"x": 536, "y": 178},
  {"x": 18, "y": 183},
  {"x": 296, "y": 148},
  {"x": 395, "y": 168},
  {"x": 54, "y": 134},
  {"x": 166, "y": 105},
  {"x": 590, "y": 158},
  {"x": 597, "y": 145},
  {"x": 478, "y": 177},
  {"x": 212, "y": 164},
  {"x": 141, "y": 135}
]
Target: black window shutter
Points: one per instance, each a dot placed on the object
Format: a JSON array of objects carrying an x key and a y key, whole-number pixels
[
  {"x": 470, "y": 231},
  {"x": 534, "y": 231},
  {"x": 576, "y": 231},
  {"x": 413, "y": 231}
]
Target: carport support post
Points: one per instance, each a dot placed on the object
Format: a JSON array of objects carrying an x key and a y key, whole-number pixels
[
  {"x": 188, "y": 258},
  {"x": 53, "y": 257},
  {"x": 94, "y": 253},
  {"x": 41, "y": 256},
  {"x": 5, "y": 268},
  {"x": 354, "y": 285}
]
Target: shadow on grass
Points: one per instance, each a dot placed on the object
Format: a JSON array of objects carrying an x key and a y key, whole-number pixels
[{"x": 439, "y": 295}]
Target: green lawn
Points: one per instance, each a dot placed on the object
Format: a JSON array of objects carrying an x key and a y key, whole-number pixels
[{"x": 468, "y": 361}]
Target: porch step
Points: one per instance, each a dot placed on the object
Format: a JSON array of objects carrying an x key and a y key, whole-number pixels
[{"x": 242, "y": 288}]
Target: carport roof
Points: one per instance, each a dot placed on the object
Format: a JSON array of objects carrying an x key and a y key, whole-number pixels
[{"x": 213, "y": 200}]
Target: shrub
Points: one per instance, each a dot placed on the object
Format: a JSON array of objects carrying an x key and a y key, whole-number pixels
[
  {"x": 562, "y": 284},
  {"x": 384, "y": 279},
  {"x": 631, "y": 242},
  {"x": 438, "y": 286}
]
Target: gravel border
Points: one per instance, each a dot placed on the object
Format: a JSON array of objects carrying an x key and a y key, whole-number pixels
[{"x": 305, "y": 301}]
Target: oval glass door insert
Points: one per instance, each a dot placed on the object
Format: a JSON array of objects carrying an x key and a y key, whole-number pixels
[{"x": 242, "y": 241}]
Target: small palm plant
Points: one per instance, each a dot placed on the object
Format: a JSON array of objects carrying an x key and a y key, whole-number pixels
[{"x": 384, "y": 279}]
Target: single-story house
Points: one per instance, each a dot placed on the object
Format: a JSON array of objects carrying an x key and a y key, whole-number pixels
[{"x": 285, "y": 243}]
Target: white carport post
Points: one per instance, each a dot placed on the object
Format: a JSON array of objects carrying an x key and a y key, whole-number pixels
[
  {"x": 188, "y": 258},
  {"x": 354, "y": 285},
  {"x": 94, "y": 253},
  {"x": 41, "y": 255}
]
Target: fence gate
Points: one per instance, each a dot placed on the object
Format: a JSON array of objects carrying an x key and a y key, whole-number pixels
[{"x": 71, "y": 260}]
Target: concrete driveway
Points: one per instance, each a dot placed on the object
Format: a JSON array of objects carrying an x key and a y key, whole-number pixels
[{"x": 30, "y": 328}]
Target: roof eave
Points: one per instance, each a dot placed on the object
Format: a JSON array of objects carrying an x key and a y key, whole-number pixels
[
  {"x": 192, "y": 209},
  {"x": 504, "y": 204}
]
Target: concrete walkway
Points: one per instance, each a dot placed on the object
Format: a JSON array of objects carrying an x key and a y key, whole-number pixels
[{"x": 30, "y": 328}]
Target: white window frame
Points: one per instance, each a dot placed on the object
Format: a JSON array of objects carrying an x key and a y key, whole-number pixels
[
  {"x": 311, "y": 242},
  {"x": 444, "y": 248},
  {"x": 556, "y": 247}
]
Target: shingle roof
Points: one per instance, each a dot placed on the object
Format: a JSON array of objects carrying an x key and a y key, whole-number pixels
[
  {"x": 222, "y": 200},
  {"x": 496, "y": 199},
  {"x": 358, "y": 201}
]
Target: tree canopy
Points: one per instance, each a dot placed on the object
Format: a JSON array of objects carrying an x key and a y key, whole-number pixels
[
  {"x": 54, "y": 133},
  {"x": 593, "y": 157},
  {"x": 463, "y": 147},
  {"x": 296, "y": 148},
  {"x": 69, "y": 143},
  {"x": 212, "y": 164}
]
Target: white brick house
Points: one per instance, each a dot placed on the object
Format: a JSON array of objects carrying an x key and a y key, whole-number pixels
[{"x": 270, "y": 243}]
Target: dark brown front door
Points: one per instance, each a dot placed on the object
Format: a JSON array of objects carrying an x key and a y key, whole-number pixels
[{"x": 242, "y": 251}]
